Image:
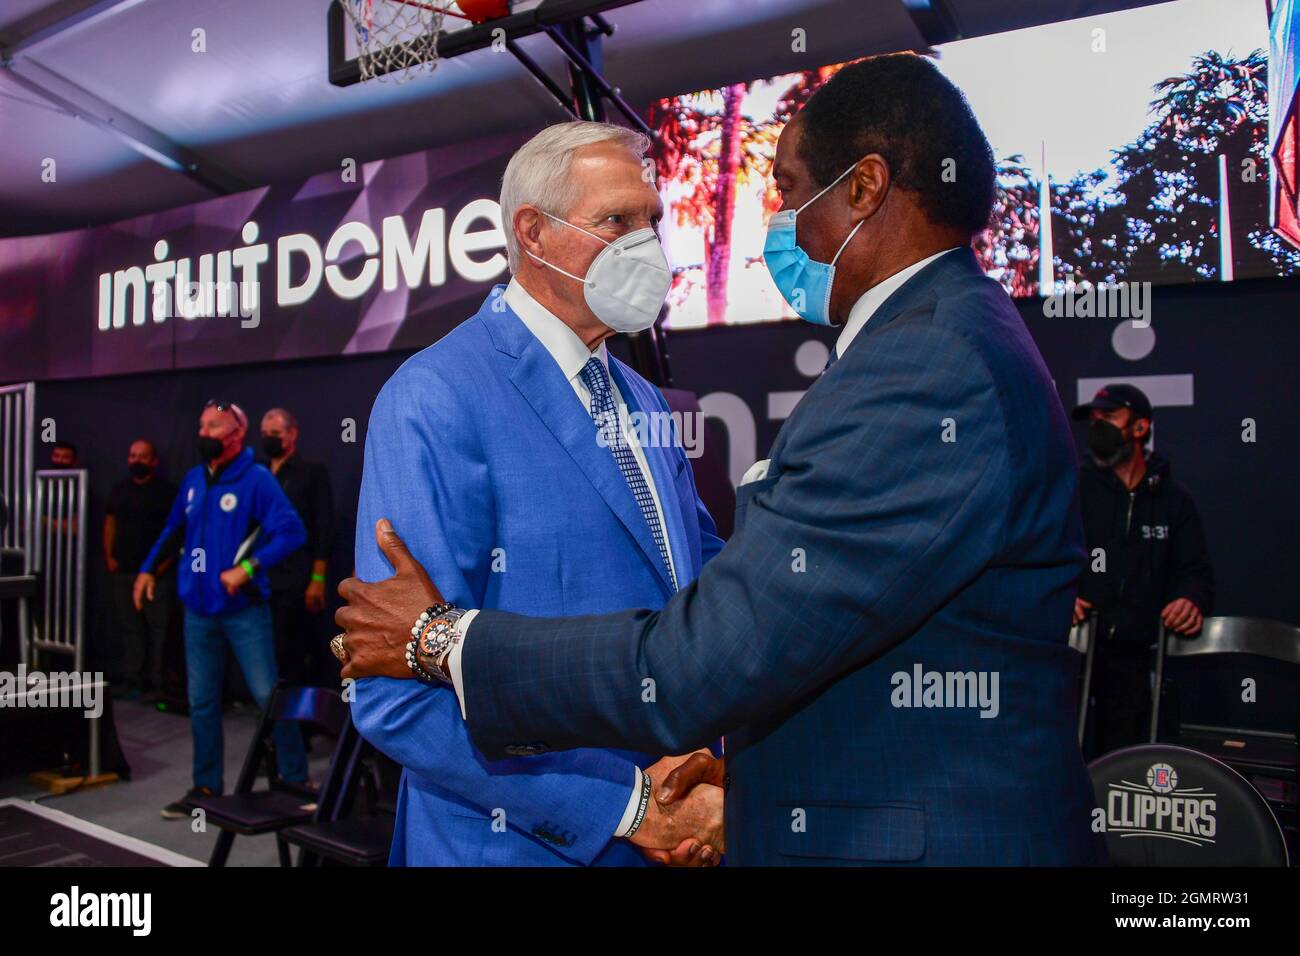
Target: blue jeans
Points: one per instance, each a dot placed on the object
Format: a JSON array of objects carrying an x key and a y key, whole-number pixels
[{"x": 248, "y": 632}]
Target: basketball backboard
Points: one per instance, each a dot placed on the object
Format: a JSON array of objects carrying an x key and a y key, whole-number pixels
[{"x": 458, "y": 34}]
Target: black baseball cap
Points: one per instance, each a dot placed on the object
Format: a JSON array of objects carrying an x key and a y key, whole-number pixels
[{"x": 1111, "y": 397}]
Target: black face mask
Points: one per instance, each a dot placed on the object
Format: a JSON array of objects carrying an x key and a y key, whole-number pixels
[
  {"x": 1107, "y": 444},
  {"x": 273, "y": 446},
  {"x": 139, "y": 469},
  {"x": 210, "y": 448}
]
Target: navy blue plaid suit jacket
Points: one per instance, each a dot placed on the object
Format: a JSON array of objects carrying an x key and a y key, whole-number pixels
[{"x": 917, "y": 539}]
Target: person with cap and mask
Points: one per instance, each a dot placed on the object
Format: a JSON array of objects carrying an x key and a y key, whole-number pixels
[
  {"x": 234, "y": 522},
  {"x": 1147, "y": 561}
]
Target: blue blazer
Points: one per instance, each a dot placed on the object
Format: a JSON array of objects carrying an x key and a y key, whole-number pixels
[
  {"x": 919, "y": 517},
  {"x": 489, "y": 467}
]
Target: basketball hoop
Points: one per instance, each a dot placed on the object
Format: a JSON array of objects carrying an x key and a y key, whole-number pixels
[{"x": 397, "y": 38}]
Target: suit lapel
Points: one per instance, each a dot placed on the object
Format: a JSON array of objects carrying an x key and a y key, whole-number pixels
[{"x": 541, "y": 382}]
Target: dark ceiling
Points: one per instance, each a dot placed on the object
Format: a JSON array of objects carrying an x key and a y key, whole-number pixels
[{"x": 113, "y": 92}]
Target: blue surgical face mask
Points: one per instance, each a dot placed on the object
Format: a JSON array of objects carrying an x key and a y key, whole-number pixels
[{"x": 804, "y": 282}]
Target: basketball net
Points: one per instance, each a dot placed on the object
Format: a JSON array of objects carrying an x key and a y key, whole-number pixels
[{"x": 395, "y": 38}]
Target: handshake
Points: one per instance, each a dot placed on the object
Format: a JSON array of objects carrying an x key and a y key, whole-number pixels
[
  {"x": 682, "y": 824},
  {"x": 683, "y": 819}
]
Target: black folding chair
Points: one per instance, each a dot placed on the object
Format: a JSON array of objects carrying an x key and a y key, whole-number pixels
[
  {"x": 249, "y": 812},
  {"x": 1206, "y": 676},
  {"x": 1082, "y": 640},
  {"x": 1171, "y": 806},
  {"x": 334, "y": 833}
]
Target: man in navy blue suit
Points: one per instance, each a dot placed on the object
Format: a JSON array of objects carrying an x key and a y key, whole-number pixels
[{"x": 883, "y": 641}]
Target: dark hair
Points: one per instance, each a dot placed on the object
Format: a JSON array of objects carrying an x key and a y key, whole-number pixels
[{"x": 900, "y": 106}]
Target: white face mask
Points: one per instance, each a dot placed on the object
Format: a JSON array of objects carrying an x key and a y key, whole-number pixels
[{"x": 626, "y": 284}]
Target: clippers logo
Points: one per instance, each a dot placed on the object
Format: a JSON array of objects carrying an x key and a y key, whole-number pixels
[
  {"x": 1160, "y": 810},
  {"x": 1162, "y": 778}
]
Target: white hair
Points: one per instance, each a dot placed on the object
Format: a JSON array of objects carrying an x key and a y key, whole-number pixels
[{"x": 538, "y": 173}]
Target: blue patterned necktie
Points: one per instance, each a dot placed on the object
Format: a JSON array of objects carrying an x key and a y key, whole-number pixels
[{"x": 604, "y": 411}]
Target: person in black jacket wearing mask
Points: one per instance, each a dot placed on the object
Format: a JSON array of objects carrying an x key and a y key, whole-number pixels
[
  {"x": 137, "y": 512},
  {"x": 1147, "y": 561},
  {"x": 298, "y": 582}
]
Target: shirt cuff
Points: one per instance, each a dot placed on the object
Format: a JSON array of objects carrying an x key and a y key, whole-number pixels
[
  {"x": 633, "y": 804},
  {"x": 453, "y": 659}
]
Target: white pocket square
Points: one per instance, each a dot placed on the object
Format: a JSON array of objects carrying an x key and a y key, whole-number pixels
[{"x": 757, "y": 471}]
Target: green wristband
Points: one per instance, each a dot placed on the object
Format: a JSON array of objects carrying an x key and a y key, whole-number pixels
[
  {"x": 248, "y": 568},
  {"x": 318, "y": 577}
]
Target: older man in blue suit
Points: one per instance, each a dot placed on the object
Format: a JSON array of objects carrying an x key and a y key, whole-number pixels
[
  {"x": 883, "y": 640},
  {"x": 509, "y": 454}
]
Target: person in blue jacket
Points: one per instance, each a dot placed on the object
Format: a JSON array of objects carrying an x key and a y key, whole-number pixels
[{"x": 235, "y": 523}]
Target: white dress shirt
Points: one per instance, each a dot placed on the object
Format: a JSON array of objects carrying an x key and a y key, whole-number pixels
[{"x": 572, "y": 355}]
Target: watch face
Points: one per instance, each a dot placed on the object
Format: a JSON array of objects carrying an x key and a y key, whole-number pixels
[{"x": 433, "y": 642}]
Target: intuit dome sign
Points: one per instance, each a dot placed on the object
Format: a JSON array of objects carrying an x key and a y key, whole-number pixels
[
  {"x": 231, "y": 282},
  {"x": 379, "y": 256}
]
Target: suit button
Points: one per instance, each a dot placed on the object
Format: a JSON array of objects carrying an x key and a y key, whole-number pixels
[{"x": 544, "y": 831}]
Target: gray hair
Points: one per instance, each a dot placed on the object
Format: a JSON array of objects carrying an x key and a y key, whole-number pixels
[
  {"x": 284, "y": 414},
  {"x": 538, "y": 172}
]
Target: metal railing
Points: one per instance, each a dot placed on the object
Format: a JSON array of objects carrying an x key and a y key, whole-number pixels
[
  {"x": 17, "y": 439},
  {"x": 60, "y": 531},
  {"x": 17, "y": 429}
]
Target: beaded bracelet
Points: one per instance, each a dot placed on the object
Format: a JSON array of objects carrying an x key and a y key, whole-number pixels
[
  {"x": 427, "y": 615},
  {"x": 413, "y": 662}
]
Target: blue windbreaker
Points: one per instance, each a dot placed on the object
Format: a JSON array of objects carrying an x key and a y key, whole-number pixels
[{"x": 217, "y": 516}]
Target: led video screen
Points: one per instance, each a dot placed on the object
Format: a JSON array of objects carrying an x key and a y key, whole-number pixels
[{"x": 1147, "y": 132}]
